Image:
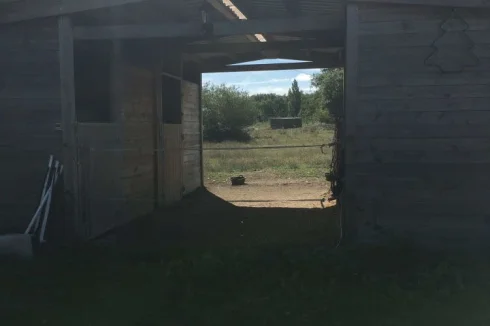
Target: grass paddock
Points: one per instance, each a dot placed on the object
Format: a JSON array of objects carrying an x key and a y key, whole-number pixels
[{"x": 294, "y": 163}]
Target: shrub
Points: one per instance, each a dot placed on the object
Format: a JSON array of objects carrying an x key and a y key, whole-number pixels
[
  {"x": 330, "y": 83},
  {"x": 227, "y": 111},
  {"x": 325, "y": 117}
]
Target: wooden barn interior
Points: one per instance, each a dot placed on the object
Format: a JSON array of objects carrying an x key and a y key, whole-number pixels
[{"x": 112, "y": 88}]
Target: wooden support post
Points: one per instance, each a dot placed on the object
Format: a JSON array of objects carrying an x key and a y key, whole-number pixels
[
  {"x": 201, "y": 129},
  {"x": 159, "y": 135},
  {"x": 68, "y": 115},
  {"x": 350, "y": 111}
]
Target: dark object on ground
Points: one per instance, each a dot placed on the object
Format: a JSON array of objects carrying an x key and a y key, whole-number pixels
[
  {"x": 238, "y": 181},
  {"x": 286, "y": 123}
]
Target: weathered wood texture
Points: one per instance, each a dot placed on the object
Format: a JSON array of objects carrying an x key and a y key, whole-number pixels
[
  {"x": 421, "y": 143},
  {"x": 118, "y": 159},
  {"x": 444, "y": 3},
  {"x": 192, "y": 137},
  {"x": 172, "y": 162},
  {"x": 29, "y": 113},
  {"x": 350, "y": 110},
  {"x": 139, "y": 137},
  {"x": 100, "y": 184}
]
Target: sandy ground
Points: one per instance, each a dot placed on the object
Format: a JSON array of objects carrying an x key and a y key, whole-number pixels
[{"x": 274, "y": 193}]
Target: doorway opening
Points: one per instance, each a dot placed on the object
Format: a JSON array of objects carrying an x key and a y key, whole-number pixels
[{"x": 277, "y": 129}]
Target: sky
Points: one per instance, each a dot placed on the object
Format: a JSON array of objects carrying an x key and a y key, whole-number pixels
[{"x": 256, "y": 82}]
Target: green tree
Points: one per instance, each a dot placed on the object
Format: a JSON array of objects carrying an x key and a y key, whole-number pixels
[
  {"x": 311, "y": 104},
  {"x": 270, "y": 105},
  {"x": 294, "y": 100},
  {"x": 330, "y": 84},
  {"x": 227, "y": 111}
]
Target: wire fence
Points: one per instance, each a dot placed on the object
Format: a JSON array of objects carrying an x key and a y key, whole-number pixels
[{"x": 322, "y": 147}]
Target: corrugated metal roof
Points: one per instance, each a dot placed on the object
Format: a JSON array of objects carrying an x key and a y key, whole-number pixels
[
  {"x": 278, "y": 8},
  {"x": 259, "y": 9},
  {"x": 147, "y": 12}
]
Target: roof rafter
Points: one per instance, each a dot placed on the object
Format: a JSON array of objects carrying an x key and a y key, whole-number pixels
[{"x": 19, "y": 10}]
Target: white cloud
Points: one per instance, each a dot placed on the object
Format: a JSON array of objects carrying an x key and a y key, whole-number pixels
[
  {"x": 257, "y": 82},
  {"x": 270, "y": 89},
  {"x": 268, "y": 81},
  {"x": 303, "y": 77}
]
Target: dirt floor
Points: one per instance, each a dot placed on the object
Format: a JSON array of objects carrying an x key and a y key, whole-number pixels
[
  {"x": 205, "y": 219},
  {"x": 286, "y": 193}
]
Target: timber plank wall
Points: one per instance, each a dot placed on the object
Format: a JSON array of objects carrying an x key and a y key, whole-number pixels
[
  {"x": 30, "y": 110},
  {"x": 192, "y": 137},
  {"x": 119, "y": 173},
  {"x": 420, "y": 158},
  {"x": 138, "y": 175}
]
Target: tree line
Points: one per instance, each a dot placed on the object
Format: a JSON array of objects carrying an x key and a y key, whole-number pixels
[{"x": 228, "y": 110}]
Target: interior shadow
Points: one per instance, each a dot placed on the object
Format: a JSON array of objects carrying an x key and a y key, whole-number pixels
[{"x": 205, "y": 220}]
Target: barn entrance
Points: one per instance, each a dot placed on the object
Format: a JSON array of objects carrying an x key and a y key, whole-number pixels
[
  {"x": 277, "y": 133},
  {"x": 156, "y": 66}
]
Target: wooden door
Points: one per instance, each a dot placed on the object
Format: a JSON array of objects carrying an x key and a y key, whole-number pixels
[{"x": 99, "y": 177}]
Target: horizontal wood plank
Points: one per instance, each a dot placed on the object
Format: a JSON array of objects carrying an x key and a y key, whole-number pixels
[
  {"x": 386, "y": 13},
  {"x": 434, "y": 3},
  {"x": 424, "y": 105},
  {"x": 422, "y": 131},
  {"x": 225, "y": 28},
  {"x": 460, "y": 145},
  {"x": 452, "y": 118},
  {"x": 418, "y": 25},
  {"x": 383, "y": 156},
  {"x": 423, "y": 92},
  {"x": 430, "y": 78}
]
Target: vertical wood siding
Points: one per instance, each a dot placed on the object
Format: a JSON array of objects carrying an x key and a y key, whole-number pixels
[
  {"x": 139, "y": 175},
  {"x": 118, "y": 159},
  {"x": 421, "y": 147},
  {"x": 29, "y": 112},
  {"x": 172, "y": 162},
  {"x": 192, "y": 135}
]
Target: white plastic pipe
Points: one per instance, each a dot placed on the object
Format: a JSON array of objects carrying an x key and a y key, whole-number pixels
[
  {"x": 45, "y": 188},
  {"x": 58, "y": 171}
]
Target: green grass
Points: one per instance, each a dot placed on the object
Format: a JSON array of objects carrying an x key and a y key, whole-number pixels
[{"x": 297, "y": 163}]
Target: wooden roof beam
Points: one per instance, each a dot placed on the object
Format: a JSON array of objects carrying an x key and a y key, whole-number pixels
[
  {"x": 226, "y": 28},
  {"x": 333, "y": 39},
  {"x": 19, "y": 10},
  {"x": 444, "y": 3}
]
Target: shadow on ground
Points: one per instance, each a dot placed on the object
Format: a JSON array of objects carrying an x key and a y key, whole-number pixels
[
  {"x": 198, "y": 264},
  {"x": 205, "y": 220}
]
